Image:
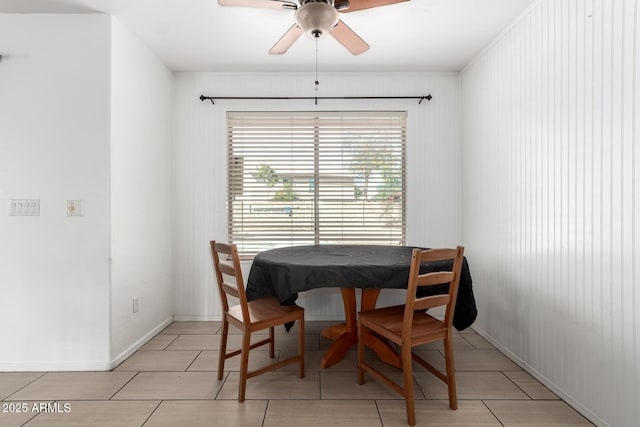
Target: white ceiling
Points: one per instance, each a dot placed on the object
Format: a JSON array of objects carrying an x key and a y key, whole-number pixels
[{"x": 200, "y": 35}]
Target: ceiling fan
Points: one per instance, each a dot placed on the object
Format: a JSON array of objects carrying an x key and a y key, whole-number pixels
[{"x": 316, "y": 18}]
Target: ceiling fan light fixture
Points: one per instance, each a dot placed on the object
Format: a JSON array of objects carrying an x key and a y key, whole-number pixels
[{"x": 317, "y": 18}]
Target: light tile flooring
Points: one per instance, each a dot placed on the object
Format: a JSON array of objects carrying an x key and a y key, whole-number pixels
[{"x": 171, "y": 381}]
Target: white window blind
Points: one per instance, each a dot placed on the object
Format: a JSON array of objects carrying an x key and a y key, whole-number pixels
[{"x": 304, "y": 178}]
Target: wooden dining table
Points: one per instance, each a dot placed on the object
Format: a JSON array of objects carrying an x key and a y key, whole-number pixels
[{"x": 284, "y": 272}]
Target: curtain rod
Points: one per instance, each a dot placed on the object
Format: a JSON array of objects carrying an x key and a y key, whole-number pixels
[{"x": 213, "y": 98}]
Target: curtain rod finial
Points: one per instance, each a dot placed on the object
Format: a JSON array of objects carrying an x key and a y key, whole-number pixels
[
  {"x": 428, "y": 98},
  {"x": 210, "y": 98}
]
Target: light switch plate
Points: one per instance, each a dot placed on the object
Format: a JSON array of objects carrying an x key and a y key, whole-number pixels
[
  {"x": 75, "y": 207},
  {"x": 24, "y": 207}
]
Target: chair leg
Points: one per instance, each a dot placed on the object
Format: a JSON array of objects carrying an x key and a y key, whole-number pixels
[
  {"x": 451, "y": 374},
  {"x": 301, "y": 348},
  {"x": 244, "y": 364},
  {"x": 272, "y": 353},
  {"x": 407, "y": 373},
  {"x": 360, "y": 353},
  {"x": 223, "y": 346}
]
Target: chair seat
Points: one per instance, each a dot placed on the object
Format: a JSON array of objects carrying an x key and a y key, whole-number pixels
[
  {"x": 267, "y": 312},
  {"x": 387, "y": 322}
]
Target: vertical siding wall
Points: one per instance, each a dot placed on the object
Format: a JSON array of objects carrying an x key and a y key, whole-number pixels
[
  {"x": 433, "y": 165},
  {"x": 141, "y": 170},
  {"x": 550, "y": 186}
]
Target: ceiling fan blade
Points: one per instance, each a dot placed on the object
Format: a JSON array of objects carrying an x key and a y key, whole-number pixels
[
  {"x": 286, "y": 40},
  {"x": 355, "y": 5},
  {"x": 348, "y": 38},
  {"x": 264, "y": 4}
]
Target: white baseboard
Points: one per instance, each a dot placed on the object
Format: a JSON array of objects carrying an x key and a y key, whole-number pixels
[
  {"x": 55, "y": 366},
  {"x": 139, "y": 343},
  {"x": 217, "y": 318},
  {"x": 183, "y": 318},
  {"x": 586, "y": 412}
]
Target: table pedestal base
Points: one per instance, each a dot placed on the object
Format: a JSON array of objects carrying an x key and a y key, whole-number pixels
[{"x": 345, "y": 335}]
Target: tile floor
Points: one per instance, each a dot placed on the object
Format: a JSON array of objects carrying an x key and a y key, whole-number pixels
[{"x": 171, "y": 381}]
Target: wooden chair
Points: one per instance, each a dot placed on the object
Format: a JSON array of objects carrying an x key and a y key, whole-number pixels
[
  {"x": 250, "y": 317},
  {"x": 409, "y": 325}
]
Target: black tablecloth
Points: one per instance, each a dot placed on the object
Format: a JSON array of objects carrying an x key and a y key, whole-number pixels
[{"x": 286, "y": 271}]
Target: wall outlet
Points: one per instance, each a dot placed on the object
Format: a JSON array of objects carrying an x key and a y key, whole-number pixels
[
  {"x": 75, "y": 207},
  {"x": 136, "y": 305}
]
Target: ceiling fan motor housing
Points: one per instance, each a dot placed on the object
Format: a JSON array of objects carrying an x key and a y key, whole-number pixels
[{"x": 317, "y": 17}]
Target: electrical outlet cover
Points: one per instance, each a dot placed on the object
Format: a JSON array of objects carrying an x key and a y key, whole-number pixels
[{"x": 75, "y": 207}]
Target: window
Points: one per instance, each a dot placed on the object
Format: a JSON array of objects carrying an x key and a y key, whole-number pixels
[{"x": 304, "y": 178}]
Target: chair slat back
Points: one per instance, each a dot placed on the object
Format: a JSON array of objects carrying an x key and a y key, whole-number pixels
[
  {"x": 430, "y": 279},
  {"x": 229, "y": 275},
  {"x": 231, "y": 289},
  {"x": 435, "y": 278},
  {"x": 431, "y": 301},
  {"x": 227, "y": 269}
]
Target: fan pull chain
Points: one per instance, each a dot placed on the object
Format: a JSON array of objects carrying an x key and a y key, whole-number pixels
[{"x": 317, "y": 83}]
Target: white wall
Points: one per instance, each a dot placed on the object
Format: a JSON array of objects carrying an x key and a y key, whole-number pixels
[
  {"x": 433, "y": 165},
  {"x": 54, "y": 146},
  {"x": 550, "y": 186},
  {"x": 141, "y": 193}
]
